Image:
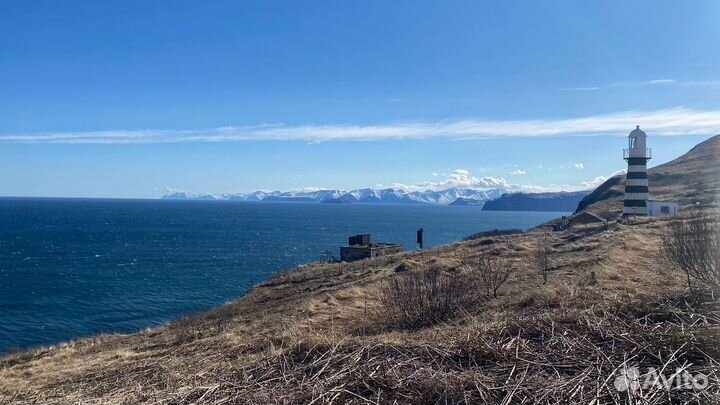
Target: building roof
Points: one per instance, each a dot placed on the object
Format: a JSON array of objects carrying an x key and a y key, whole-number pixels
[{"x": 585, "y": 217}]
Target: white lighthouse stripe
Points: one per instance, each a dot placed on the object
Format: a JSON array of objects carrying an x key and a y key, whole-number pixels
[
  {"x": 636, "y": 182},
  {"x": 637, "y": 196},
  {"x": 637, "y": 168}
]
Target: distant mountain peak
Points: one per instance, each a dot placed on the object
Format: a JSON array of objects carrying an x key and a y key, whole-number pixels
[{"x": 388, "y": 195}]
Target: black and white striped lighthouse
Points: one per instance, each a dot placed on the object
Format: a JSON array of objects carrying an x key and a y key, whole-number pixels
[{"x": 636, "y": 182}]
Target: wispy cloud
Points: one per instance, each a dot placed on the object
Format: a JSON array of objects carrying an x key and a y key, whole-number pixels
[
  {"x": 641, "y": 83},
  {"x": 600, "y": 179},
  {"x": 519, "y": 172},
  {"x": 674, "y": 121},
  {"x": 579, "y": 166},
  {"x": 668, "y": 82},
  {"x": 660, "y": 81},
  {"x": 652, "y": 82},
  {"x": 690, "y": 83},
  {"x": 580, "y": 88}
]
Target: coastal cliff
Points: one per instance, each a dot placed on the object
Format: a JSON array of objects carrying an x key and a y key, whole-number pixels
[{"x": 557, "y": 202}]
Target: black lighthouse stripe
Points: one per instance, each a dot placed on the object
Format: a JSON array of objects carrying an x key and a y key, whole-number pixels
[
  {"x": 635, "y": 203},
  {"x": 637, "y": 175},
  {"x": 637, "y": 161},
  {"x": 636, "y": 189}
]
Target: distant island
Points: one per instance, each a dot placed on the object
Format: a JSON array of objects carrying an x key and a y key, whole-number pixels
[{"x": 560, "y": 201}]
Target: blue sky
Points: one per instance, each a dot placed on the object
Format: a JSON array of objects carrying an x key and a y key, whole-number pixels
[{"x": 131, "y": 98}]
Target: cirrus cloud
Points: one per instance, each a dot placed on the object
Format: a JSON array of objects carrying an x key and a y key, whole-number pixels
[{"x": 668, "y": 122}]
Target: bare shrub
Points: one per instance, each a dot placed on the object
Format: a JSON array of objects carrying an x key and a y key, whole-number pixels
[
  {"x": 693, "y": 246},
  {"x": 492, "y": 233},
  {"x": 541, "y": 256},
  {"x": 492, "y": 273},
  {"x": 199, "y": 325},
  {"x": 418, "y": 299}
]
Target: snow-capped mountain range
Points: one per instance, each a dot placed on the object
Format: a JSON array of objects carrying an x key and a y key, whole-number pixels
[{"x": 360, "y": 196}]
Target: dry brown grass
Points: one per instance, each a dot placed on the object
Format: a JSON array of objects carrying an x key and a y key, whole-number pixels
[{"x": 315, "y": 335}]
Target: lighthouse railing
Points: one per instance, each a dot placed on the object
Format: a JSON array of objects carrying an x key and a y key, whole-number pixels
[{"x": 638, "y": 153}]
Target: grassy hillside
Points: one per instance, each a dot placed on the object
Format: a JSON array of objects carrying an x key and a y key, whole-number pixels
[
  {"x": 320, "y": 334},
  {"x": 693, "y": 179}
]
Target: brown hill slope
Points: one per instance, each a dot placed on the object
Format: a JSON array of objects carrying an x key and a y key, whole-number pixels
[{"x": 692, "y": 179}]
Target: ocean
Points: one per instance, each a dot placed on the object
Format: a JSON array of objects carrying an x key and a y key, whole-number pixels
[{"x": 76, "y": 267}]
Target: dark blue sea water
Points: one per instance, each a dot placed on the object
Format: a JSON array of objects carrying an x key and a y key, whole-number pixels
[{"x": 73, "y": 267}]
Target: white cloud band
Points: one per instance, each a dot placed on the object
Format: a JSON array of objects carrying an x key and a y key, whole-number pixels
[{"x": 668, "y": 122}]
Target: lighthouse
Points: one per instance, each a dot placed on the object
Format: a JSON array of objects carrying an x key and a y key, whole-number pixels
[{"x": 636, "y": 183}]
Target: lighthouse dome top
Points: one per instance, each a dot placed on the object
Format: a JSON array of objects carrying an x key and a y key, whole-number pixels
[
  {"x": 638, "y": 133},
  {"x": 637, "y": 145}
]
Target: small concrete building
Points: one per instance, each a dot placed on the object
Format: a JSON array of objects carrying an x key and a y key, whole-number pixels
[
  {"x": 662, "y": 208},
  {"x": 360, "y": 247}
]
